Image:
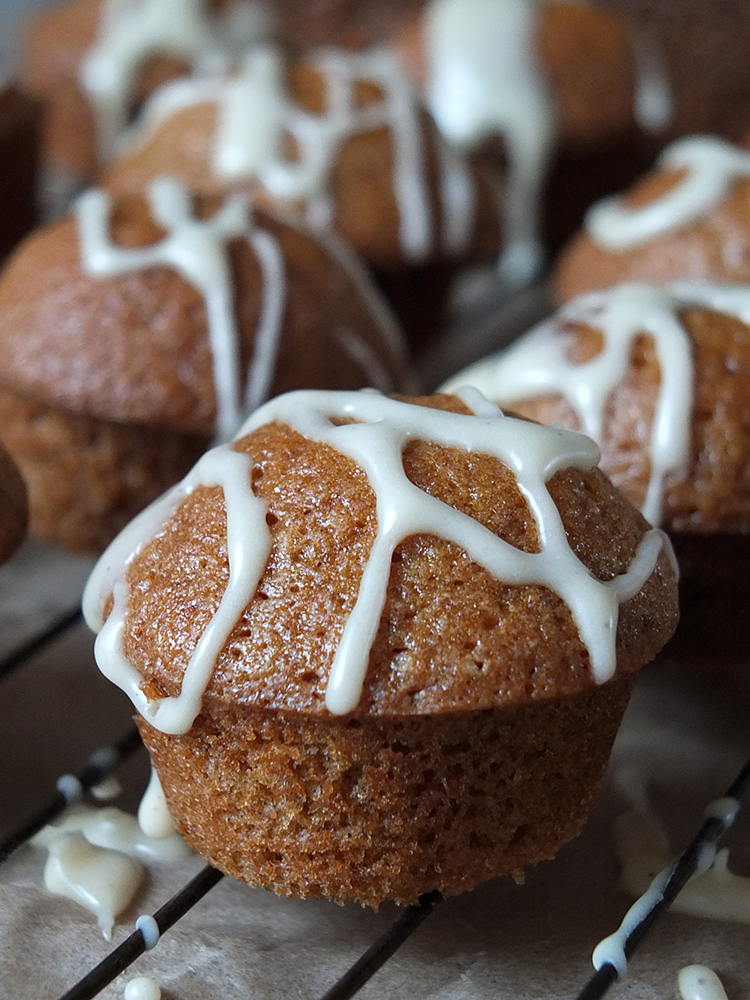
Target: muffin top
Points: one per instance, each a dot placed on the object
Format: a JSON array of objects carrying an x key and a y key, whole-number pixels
[
  {"x": 688, "y": 220},
  {"x": 337, "y": 135},
  {"x": 351, "y": 553},
  {"x": 660, "y": 378},
  {"x": 186, "y": 314}
]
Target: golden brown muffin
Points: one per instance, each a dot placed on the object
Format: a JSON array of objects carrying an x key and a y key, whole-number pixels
[
  {"x": 382, "y": 183},
  {"x": 582, "y": 52},
  {"x": 112, "y": 382},
  {"x": 679, "y": 373},
  {"x": 59, "y": 40},
  {"x": 14, "y": 505},
  {"x": 709, "y": 243},
  {"x": 479, "y": 737},
  {"x": 548, "y": 91},
  {"x": 346, "y": 144}
]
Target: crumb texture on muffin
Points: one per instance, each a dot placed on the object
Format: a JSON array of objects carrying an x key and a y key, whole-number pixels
[
  {"x": 381, "y": 646},
  {"x": 344, "y": 521},
  {"x": 658, "y": 377},
  {"x": 688, "y": 220}
]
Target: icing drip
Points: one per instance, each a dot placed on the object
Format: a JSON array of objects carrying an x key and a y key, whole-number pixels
[
  {"x": 106, "y": 790},
  {"x": 375, "y": 442},
  {"x": 102, "y": 881},
  {"x": 142, "y": 988},
  {"x": 712, "y": 166},
  {"x": 537, "y": 364},
  {"x": 149, "y": 929},
  {"x": 696, "y": 982},
  {"x": 95, "y": 859},
  {"x": 248, "y": 545},
  {"x": 484, "y": 80},
  {"x": 256, "y": 114},
  {"x": 643, "y": 849},
  {"x": 198, "y": 249},
  {"x": 654, "y": 100},
  {"x": 112, "y": 829},
  {"x": 153, "y": 815},
  {"x": 131, "y": 32}
]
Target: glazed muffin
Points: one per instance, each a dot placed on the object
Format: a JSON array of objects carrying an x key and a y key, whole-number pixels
[
  {"x": 687, "y": 220},
  {"x": 92, "y": 63},
  {"x": 394, "y": 677},
  {"x": 660, "y": 378},
  {"x": 14, "y": 506},
  {"x": 549, "y": 89},
  {"x": 341, "y": 138},
  {"x": 138, "y": 330}
]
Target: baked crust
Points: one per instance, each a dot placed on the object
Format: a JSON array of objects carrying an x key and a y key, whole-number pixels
[
  {"x": 480, "y": 739},
  {"x": 135, "y": 348},
  {"x": 713, "y": 494},
  {"x": 713, "y": 247},
  {"x": 452, "y": 637}
]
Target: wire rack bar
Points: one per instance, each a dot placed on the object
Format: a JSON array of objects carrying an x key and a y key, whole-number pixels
[
  {"x": 685, "y": 867},
  {"x": 376, "y": 956},
  {"x": 102, "y": 763},
  {"x": 15, "y": 659},
  {"x": 135, "y": 945}
]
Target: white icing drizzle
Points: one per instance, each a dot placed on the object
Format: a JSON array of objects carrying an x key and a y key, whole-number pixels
[
  {"x": 102, "y": 881},
  {"x": 105, "y": 791},
  {"x": 114, "y": 830},
  {"x": 696, "y": 982},
  {"x": 537, "y": 364},
  {"x": 255, "y": 113},
  {"x": 644, "y": 852},
  {"x": 149, "y": 928},
  {"x": 70, "y": 788},
  {"x": 712, "y": 166},
  {"x": 375, "y": 442},
  {"x": 611, "y": 950},
  {"x": 95, "y": 857},
  {"x": 248, "y": 545},
  {"x": 153, "y": 815},
  {"x": 198, "y": 250},
  {"x": 484, "y": 80},
  {"x": 654, "y": 101},
  {"x": 142, "y": 988},
  {"x": 131, "y": 32}
]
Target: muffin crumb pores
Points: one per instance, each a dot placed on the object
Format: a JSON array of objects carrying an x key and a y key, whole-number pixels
[{"x": 381, "y": 647}]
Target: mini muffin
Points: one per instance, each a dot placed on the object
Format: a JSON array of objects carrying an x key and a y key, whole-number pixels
[
  {"x": 688, "y": 220},
  {"x": 549, "y": 88},
  {"x": 92, "y": 63},
  {"x": 366, "y": 665},
  {"x": 660, "y": 378},
  {"x": 137, "y": 331},
  {"x": 340, "y": 137},
  {"x": 14, "y": 506}
]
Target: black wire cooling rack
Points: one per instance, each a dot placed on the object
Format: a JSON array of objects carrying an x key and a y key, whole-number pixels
[{"x": 105, "y": 761}]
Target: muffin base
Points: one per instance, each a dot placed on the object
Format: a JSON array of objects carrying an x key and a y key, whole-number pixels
[
  {"x": 87, "y": 478},
  {"x": 378, "y": 808}
]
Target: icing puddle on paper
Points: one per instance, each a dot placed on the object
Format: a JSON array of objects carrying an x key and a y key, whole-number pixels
[
  {"x": 643, "y": 850},
  {"x": 96, "y": 859}
]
